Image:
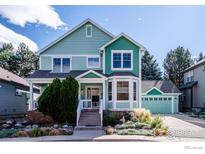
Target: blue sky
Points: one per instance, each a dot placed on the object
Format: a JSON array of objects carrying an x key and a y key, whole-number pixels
[{"x": 158, "y": 28}]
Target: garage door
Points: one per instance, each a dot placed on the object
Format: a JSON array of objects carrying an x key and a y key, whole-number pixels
[{"x": 157, "y": 104}]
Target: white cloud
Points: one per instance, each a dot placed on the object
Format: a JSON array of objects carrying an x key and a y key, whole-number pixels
[
  {"x": 9, "y": 36},
  {"x": 22, "y": 15},
  {"x": 139, "y": 19}
]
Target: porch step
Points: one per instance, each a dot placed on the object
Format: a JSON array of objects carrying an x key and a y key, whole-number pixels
[
  {"x": 89, "y": 119},
  {"x": 88, "y": 128}
]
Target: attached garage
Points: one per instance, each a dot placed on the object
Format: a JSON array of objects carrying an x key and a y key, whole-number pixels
[{"x": 160, "y": 97}]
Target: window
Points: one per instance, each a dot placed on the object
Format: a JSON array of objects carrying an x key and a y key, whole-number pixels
[
  {"x": 169, "y": 98},
  {"x": 61, "y": 65},
  {"x": 109, "y": 91},
  {"x": 66, "y": 64},
  {"x": 93, "y": 62},
  {"x": 122, "y": 90},
  {"x": 189, "y": 76},
  {"x": 142, "y": 99},
  {"x": 165, "y": 99},
  {"x": 151, "y": 99},
  {"x": 56, "y": 65},
  {"x": 121, "y": 60},
  {"x": 134, "y": 91},
  {"x": 160, "y": 99},
  {"x": 88, "y": 30},
  {"x": 146, "y": 99},
  {"x": 155, "y": 99}
]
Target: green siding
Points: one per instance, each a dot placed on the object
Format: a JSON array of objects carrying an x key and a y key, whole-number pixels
[
  {"x": 78, "y": 43},
  {"x": 91, "y": 75},
  {"x": 46, "y": 62},
  {"x": 122, "y": 105},
  {"x": 154, "y": 92},
  {"x": 122, "y": 44}
]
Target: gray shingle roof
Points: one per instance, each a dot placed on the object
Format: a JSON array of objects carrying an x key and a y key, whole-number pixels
[
  {"x": 49, "y": 74},
  {"x": 165, "y": 86},
  {"x": 122, "y": 74}
]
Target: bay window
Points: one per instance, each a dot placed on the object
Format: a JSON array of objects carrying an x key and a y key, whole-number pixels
[
  {"x": 109, "y": 91},
  {"x": 122, "y": 90}
]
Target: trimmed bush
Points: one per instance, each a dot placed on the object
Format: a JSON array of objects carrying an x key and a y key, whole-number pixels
[{"x": 110, "y": 120}]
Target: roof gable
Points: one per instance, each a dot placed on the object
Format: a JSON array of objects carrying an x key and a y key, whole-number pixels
[
  {"x": 154, "y": 91},
  {"x": 73, "y": 30},
  {"x": 125, "y": 36},
  {"x": 91, "y": 75}
]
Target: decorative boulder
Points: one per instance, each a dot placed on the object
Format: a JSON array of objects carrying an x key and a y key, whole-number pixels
[
  {"x": 11, "y": 122},
  {"x": 65, "y": 126},
  {"x": 55, "y": 126},
  {"x": 6, "y": 126},
  {"x": 35, "y": 126},
  {"x": 19, "y": 125}
]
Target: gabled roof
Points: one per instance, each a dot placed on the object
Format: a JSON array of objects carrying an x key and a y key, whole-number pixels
[
  {"x": 13, "y": 78},
  {"x": 165, "y": 86},
  {"x": 199, "y": 63},
  {"x": 127, "y": 37},
  {"x": 74, "y": 29}
]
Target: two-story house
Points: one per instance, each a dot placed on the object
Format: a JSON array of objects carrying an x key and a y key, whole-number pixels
[
  {"x": 108, "y": 70},
  {"x": 194, "y": 86}
]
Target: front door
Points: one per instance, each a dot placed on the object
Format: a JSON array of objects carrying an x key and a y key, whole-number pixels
[{"x": 93, "y": 94}]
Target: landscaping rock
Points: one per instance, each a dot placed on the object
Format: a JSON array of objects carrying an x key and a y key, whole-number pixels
[
  {"x": 55, "y": 126},
  {"x": 28, "y": 127},
  {"x": 6, "y": 126},
  {"x": 65, "y": 131},
  {"x": 65, "y": 126},
  {"x": 110, "y": 130},
  {"x": 26, "y": 122},
  {"x": 19, "y": 125},
  {"x": 117, "y": 126},
  {"x": 35, "y": 126},
  {"x": 146, "y": 127},
  {"x": 11, "y": 122}
]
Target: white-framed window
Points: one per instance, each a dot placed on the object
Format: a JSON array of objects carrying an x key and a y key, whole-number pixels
[
  {"x": 61, "y": 65},
  {"x": 109, "y": 91},
  {"x": 122, "y": 60},
  {"x": 93, "y": 62},
  {"x": 134, "y": 91},
  {"x": 89, "y": 30},
  {"x": 190, "y": 76},
  {"x": 122, "y": 90}
]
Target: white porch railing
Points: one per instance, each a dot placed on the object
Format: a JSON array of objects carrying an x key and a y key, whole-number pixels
[{"x": 87, "y": 104}]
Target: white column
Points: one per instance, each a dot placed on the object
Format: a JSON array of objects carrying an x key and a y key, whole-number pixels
[
  {"x": 140, "y": 88},
  {"x": 79, "y": 91},
  {"x": 131, "y": 93},
  {"x": 104, "y": 93},
  {"x": 172, "y": 104},
  {"x": 114, "y": 87},
  {"x": 30, "y": 107}
]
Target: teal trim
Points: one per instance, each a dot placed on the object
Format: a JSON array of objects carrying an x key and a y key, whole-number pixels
[
  {"x": 78, "y": 43},
  {"x": 91, "y": 75},
  {"x": 122, "y": 44},
  {"x": 154, "y": 92},
  {"x": 46, "y": 62},
  {"x": 122, "y": 105}
]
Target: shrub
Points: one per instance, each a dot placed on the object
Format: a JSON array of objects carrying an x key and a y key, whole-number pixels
[
  {"x": 135, "y": 132},
  {"x": 36, "y": 117},
  {"x": 110, "y": 120},
  {"x": 7, "y": 132},
  {"x": 59, "y": 100},
  {"x": 55, "y": 132},
  {"x": 156, "y": 122},
  {"x": 21, "y": 134},
  {"x": 161, "y": 131},
  {"x": 141, "y": 115},
  {"x": 36, "y": 132},
  {"x": 133, "y": 125},
  {"x": 109, "y": 130}
]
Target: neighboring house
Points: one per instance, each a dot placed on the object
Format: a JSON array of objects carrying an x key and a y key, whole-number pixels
[
  {"x": 13, "y": 94},
  {"x": 194, "y": 86},
  {"x": 107, "y": 68}
]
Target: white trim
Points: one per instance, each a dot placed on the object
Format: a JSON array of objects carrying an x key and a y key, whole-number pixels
[
  {"x": 103, "y": 54},
  {"x": 140, "y": 81},
  {"x": 87, "y": 57},
  {"x": 123, "y": 77},
  {"x": 72, "y": 30},
  {"x": 122, "y": 52},
  {"x": 155, "y": 89},
  {"x": 92, "y": 86},
  {"x": 40, "y": 67},
  {"x": 61, "y": 57},
  {"x": 165, "y": 94},
  {"x": 70, "y": 55},
  {"x": 90, "y": 71},
  {"x": 127, "y": 37},
  {"x": 86, "y": 31}
]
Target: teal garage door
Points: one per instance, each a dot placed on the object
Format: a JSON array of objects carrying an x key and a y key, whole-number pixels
[{"x": 158, "y": 104}]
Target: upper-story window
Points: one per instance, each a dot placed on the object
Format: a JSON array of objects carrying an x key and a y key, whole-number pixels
[
  {"x": 61, "y": 65},
  {"x": 88, "y": 30},
  {"x": 189, "y": 76},
  {"x": 122, "y": 60},
  {"x": 93, "y": 62}
]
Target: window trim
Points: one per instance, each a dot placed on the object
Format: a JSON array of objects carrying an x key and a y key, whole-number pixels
[
  {"x": 121, "y": 52},
  {"x": 92, "y": 66},
  {"x": 61, "y": 57},
  {"x": 86, "y": 33}
]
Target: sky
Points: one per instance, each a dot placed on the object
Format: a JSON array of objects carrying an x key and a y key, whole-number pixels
[{"x": 158, "y": 28}]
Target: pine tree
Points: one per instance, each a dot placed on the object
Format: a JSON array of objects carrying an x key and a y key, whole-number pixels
[
  {"x": 150, "y": 67},
  {"x": 175, "y": 63},
  {"x": 201, "y": 56}
]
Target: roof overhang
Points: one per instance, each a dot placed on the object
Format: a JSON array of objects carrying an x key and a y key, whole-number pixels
[
  {"x": 189, "y": 85},
  {"x": 142, "y": 48}
]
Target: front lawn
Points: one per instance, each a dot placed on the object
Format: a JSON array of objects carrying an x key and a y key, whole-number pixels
[{"x": 137, "y": 122}]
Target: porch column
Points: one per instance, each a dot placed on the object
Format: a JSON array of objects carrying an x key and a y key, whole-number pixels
[
  {"x": 131, "y": 93},
  {"x": 114, "y": 93},
  {"x": 79, "y": 91},
  {"x": 30, "y": 107},
  {"x": 104, "y": 93}
]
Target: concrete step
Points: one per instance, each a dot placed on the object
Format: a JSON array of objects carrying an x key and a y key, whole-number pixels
[{"x": 88, "y": 128}]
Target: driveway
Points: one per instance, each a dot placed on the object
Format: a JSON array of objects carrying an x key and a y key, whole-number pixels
[{"x": 184, "y": 126}]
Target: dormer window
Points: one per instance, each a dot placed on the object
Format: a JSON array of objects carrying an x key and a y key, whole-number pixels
[{"x": 88, "y": 30}]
